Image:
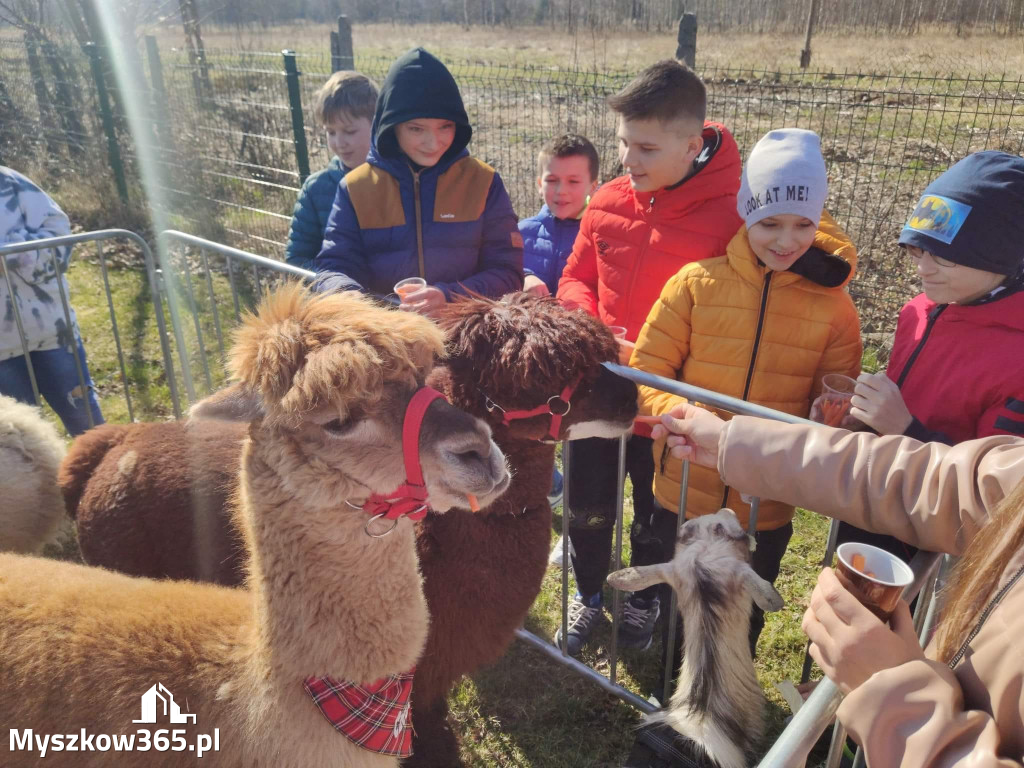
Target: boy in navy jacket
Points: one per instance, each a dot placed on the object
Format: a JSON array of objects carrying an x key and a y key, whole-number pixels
[
  {"x": 421, "y": 205},
  {"x": 344, "y": 106},
  {"x": 567, "y": 173}
]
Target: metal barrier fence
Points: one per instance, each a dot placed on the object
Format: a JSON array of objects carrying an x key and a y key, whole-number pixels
[
  {"x": 234, "y": 136},
  {"x": 199, "y": 296},
  {"x": 188, "y": 319}
]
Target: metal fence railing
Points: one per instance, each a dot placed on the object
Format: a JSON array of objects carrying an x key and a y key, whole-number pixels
[
  {"x": 230, "y": 156},
  {"x": 197, "y": 290}
]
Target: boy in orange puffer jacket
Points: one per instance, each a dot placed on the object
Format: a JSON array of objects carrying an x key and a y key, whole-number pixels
[
  {"x": 764, "y": 323},
  {"x": 676, "y": 204}
]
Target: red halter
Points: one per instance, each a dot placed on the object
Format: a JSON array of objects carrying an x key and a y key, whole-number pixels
[
  {"x": 560, "y": 400},
  {"x": 410, "y": 498}
]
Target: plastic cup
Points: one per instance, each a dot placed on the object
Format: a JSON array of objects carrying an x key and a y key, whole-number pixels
[
  {"x": 879, "y": 580},
  {"x": 410, "y": 285},
  {"x": 836, "y": 398},
  {"x": 618, "y": 331}
]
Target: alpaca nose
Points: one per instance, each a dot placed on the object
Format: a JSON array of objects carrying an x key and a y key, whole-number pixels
[{"x": 474, "y": 455}]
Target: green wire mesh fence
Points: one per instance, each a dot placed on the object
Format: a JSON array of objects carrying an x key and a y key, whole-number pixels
[{"x": 229, "y": 160}]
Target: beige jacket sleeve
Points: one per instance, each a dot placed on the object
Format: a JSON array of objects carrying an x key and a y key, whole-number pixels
[
  {"x": 913, "y": 716},
  {"x": 920, "y": 714},
  {"x": 931, "y": 495}
]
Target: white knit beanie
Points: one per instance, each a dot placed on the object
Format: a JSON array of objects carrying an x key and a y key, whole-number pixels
[{"x": 785, "y": 173}]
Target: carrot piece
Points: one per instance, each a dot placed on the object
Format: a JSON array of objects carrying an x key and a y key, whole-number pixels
[
  {"x": 474, "y": 505},
  {"x": 858, "y": 561},
  {"x": 833, "y": 411}
]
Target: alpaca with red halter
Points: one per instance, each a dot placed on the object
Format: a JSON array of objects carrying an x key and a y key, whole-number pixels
[{"x": 309, "y": 664}]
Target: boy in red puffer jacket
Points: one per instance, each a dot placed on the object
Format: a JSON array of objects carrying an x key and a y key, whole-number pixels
[{"x": 675, "y": 205}]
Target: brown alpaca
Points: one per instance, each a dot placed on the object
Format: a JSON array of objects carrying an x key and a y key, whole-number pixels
[
  {"x": 481, "y": 573},
  {"x": 123, "y": 485},
  {"x": 323, "y": 383},
  {"x": 480, "y": 578}
]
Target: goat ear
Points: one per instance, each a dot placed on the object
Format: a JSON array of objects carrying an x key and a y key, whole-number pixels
[
  {"x": 233, "y": 403},
  {"x": 637, "y": 578},
  {"x": 765, "y": 595}
]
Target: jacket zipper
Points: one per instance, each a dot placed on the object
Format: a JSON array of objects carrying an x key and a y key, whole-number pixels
[
  {"x": 984, "y": 616},
  {"x": 932, "y": 317},
  {"x": 753, "y": 354},
  {"x": 419, "y": 222}
]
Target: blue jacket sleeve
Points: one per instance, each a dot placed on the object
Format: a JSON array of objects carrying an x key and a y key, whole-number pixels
[
  {"x": 526, "y": 227},
  {"x": 501, "y": 254},
  {"x": 342, "y": 264},
  {"x": 304, "y": 235}
]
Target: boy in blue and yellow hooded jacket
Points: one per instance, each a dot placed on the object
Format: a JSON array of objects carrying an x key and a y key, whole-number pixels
[{"x": 421, "y": 205}]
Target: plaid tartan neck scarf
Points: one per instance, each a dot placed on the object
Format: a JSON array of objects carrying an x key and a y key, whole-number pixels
[{"x": 374, "y": 716}]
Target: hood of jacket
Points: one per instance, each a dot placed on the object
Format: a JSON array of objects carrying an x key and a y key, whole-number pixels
[
  {"x": 418, "y": 85},
  {"x": 830, "y": 262}
]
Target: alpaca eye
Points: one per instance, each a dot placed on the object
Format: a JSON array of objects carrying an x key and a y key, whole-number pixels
[{"x": 339, "y": 426}]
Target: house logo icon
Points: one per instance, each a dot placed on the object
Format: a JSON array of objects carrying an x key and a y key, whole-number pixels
[{"x": 156, "y": 696}]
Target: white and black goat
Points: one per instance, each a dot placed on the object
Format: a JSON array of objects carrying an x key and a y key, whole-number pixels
[{"x": 718, "y": 704}]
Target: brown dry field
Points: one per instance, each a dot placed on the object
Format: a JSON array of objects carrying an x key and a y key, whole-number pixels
[{"x": 933, "y": 52}]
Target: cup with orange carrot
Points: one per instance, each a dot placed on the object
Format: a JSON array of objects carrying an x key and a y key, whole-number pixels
[
  {"x": 409, "y": 286},
  {"x": 832, "y": 407},
  {"x": 872, "y": 575}
]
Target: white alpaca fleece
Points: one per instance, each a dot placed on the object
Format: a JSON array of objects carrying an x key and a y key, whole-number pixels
[{"x": 30, "y": 454}]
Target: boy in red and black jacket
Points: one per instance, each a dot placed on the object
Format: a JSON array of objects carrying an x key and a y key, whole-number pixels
[{"x": 676, "y": 204}]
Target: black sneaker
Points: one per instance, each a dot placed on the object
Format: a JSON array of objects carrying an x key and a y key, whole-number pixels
[
  {"x": 582, "y": 619},
  {"x": 636, "y": 623}
]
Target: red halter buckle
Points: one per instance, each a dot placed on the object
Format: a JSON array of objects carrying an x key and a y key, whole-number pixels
[
  {"x": 556, "y": 405},
  {"x": 410, "y": 498}
]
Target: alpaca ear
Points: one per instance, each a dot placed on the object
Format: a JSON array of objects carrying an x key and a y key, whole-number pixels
[
  {"x": 234, "y": 403},
  {"x": 637, "y": 578},
  {"x": 765, "y": 595}
]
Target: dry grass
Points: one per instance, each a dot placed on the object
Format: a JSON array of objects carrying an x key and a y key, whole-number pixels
[{"x": 937, "y": 52}]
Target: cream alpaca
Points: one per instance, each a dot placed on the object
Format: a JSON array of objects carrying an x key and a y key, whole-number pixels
[
  {"x": 31, "y": 507},
  {"x": 718, "y": 704},
  {"x": 324, "y": 382}
]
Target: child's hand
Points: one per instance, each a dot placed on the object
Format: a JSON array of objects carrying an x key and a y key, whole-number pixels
[
  {"x": 693, "y": 433},
  {"x": 426, "y": 301},
  {"x": 848, "y": 641},
  {"x": 878, "y": 403},
  {"x": 625, "y": 351},
  {"x": 536, "y": 286}
]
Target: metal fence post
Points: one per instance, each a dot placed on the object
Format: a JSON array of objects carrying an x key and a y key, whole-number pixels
[
  {"x": 335, "y": 51},
  {"x": 346, "y": 57},
  {"x": 291, "y": 72},
  {"x": 113, "y": 150},
  {"x": 686, "y": 50},
  {"x": 156, "y": 77}
]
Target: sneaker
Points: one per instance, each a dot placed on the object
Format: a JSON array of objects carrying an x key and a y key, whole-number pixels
[
  {"x": 582, "y": 619},
  {"x": 555, "y": 558},
  {"x": 557, "y": 487},
  {"x": 636, "y": 623}
]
